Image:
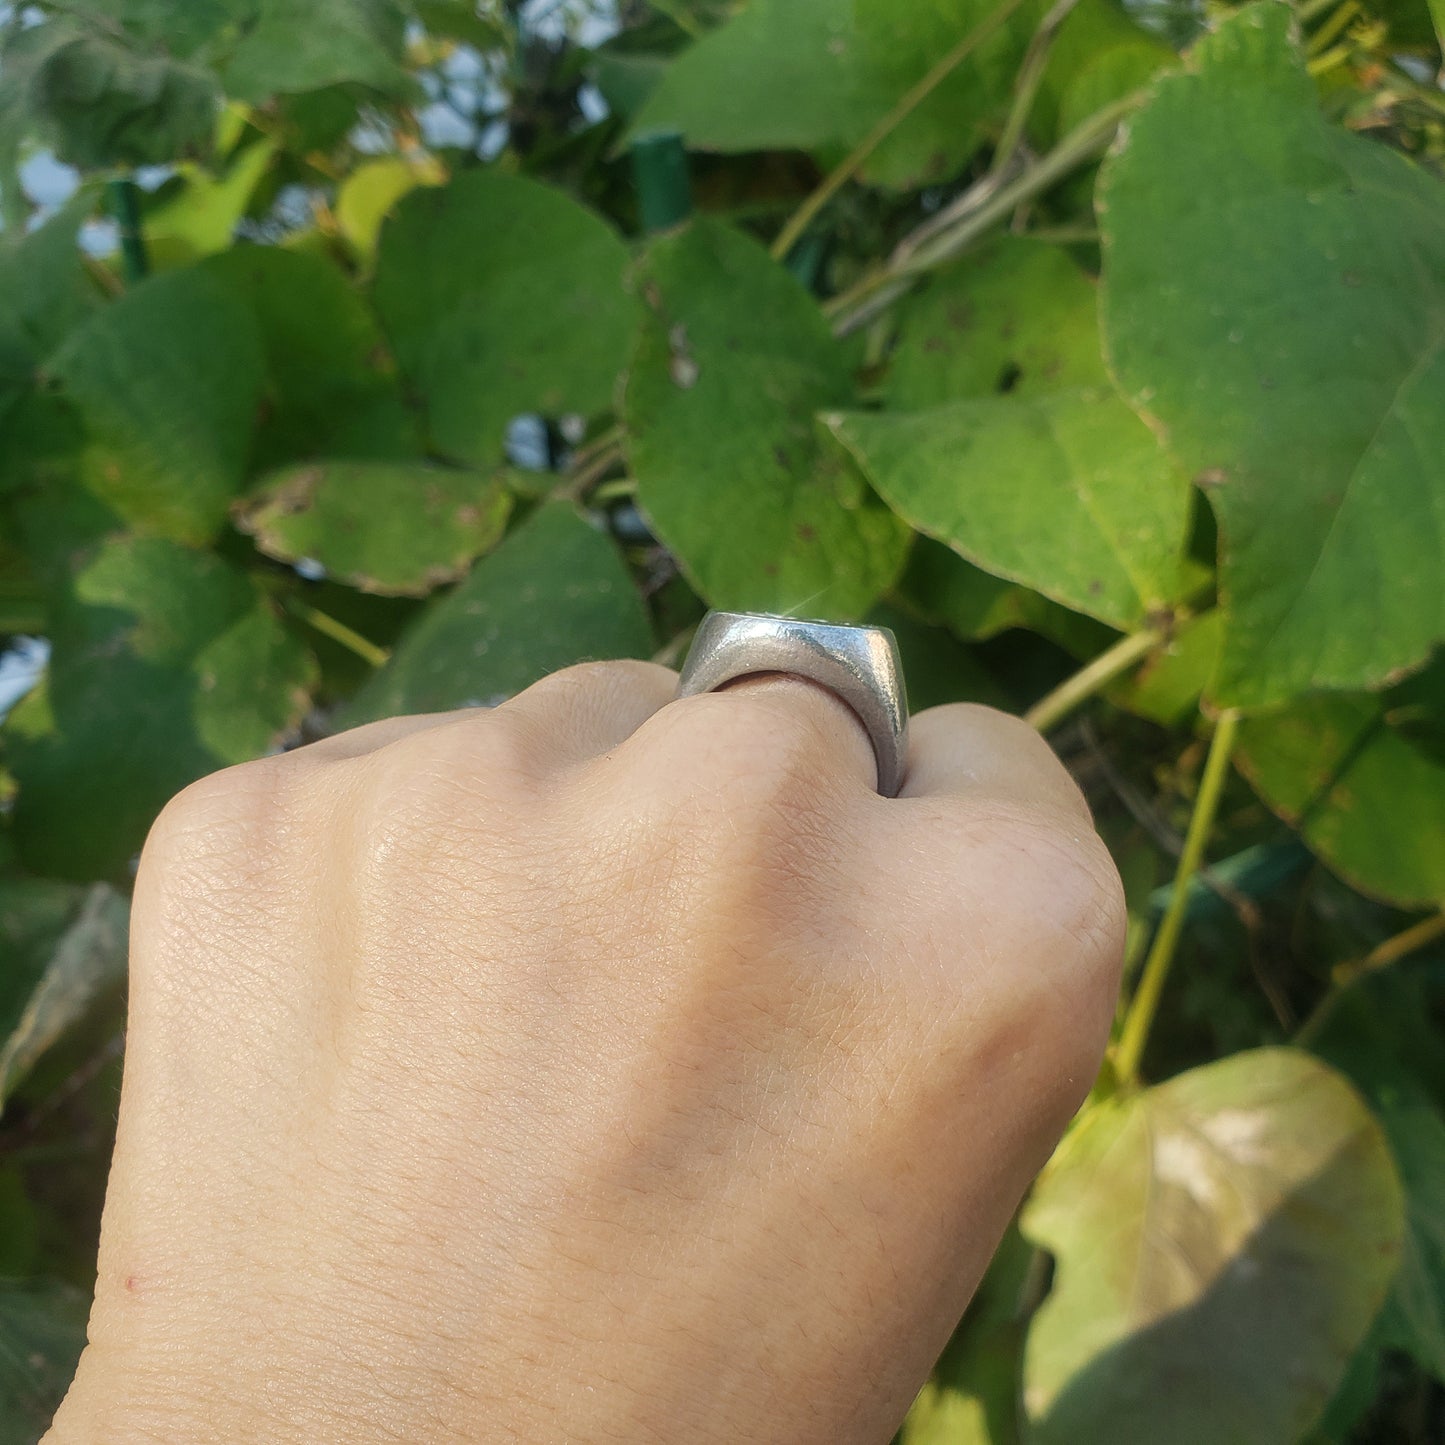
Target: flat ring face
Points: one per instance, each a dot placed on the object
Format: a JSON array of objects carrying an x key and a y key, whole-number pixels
[{"x": 859, "y": 664}]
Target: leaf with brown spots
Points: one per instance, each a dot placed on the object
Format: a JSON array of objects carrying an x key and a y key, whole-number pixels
[
  {"x": 1274, "y": 302},
  {"x": 396, "y": 528}
]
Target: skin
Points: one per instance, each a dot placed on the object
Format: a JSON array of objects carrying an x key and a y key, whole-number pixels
[{"x": 597, "y": 1068}]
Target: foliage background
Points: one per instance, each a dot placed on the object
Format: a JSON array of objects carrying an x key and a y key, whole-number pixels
[{"x": 390, "y": 354}]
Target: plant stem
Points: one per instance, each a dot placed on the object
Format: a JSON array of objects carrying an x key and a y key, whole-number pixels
[
  {"x": 854, "y": 161},
  {"x": 125, "y": 207},
  {"x": 339, "y": 632},
  {"x": 1343, "y": 976},
  {"x": 1332, "y": 27},
  {"x": 1026, "y": 83},
  {"x": 954, "y": 229},
  {"x": 1145, "y": 1003},
  {"x": 1091, "y": 679}
]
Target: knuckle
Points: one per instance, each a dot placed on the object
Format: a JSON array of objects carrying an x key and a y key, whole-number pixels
[
  {"x": 228, "y": 811},
  {"x": 753, "y": 741},
  {"x": 442, "y": 790},
  {"x": 1030, "y": 896}
]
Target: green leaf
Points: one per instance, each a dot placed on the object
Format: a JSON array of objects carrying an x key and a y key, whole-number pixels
[
  {"x": 554, "y": 593},
  {"x": 397, "y": 528},
  {"x": 1275, "y": 301},
  {"x": 1067, "y": 493},
  {"x": 502, "y": 296},
  {"x": 331, "y": 385},
  {"x": 818, "y": 75},
  {"x": 167, "y": 665},
  {"x": 1167, "y": 688},
  {"x": 297, "y": 47},
  {"x": 198, "y": 214},
  {"x": 97, "y": 100},
  {"x": 1222, "y": 1243},
  {"x": 972, "y": 1397},
  {"x": 1364, "y": 1044},
  {"x": 370, "y": 193},
  {"x": 42, "y": 1332},
  {"x": 483, "y": 26},
  {"x": 1024, "y": 461},
  {"x": 976, "y": 605},
  {"x": 731, "y": 367},
  {"x": 1019, "y": 318},
  {"x": 43, "y": 295},
  {"x": 54, "y": 976},
  {"x": 896, "y": 46},
  {"x": 164, "y": 26},
  {"x": 1366, "y": 797},
  {"x": 166, "y": 381},
  {"x": 1100, "y": 55}
]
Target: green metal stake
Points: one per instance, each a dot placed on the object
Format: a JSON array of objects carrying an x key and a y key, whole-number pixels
[
  {"x": 664, "y": 188},
  {"x": 124, "y": 197}
]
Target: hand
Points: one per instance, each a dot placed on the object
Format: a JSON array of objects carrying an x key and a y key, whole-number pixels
[{"x": 598, "y": 1068}]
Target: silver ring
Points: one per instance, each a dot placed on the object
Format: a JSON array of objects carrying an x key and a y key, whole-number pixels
[{"x": 859, "y": 664}]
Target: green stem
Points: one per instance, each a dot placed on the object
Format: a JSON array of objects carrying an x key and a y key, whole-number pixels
[
  {"x": 1145, "y": 1004},
  {"x": 1345, "y": 975},
  {"x": 340, "y": 633},
  {"x": 953, "y": 230},
  {"x": 1026, "y": 84},
  {"x": 1332, "y": 27},
  {"x": 125, "y": 207},
  {"x": 1092, "y": 679},
  {"x": 854, "y": 161}
]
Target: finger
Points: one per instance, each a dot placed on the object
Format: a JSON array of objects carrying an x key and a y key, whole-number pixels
[
  {"x": 587, "y": 710},
  {"x": 761, "y": 722},
  {"x": 962, "y": 749},
  {"x": 371, "y": 737},
  {"x": 843, "y": 740}
]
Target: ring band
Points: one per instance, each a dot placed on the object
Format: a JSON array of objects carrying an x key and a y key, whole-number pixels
[{"x": 860, "y": 665}]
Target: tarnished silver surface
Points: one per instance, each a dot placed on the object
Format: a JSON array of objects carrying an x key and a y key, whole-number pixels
[{"x": 860, "y": 664}]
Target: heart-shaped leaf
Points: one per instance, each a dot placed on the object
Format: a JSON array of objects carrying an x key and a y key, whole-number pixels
[
  {"x": 1222, "y": 1243},
  {"x": 502, "y": 296},
  {"x": 1275, "y": 302},
  {"x": 1068, "y": 493},
  {"x": 732, "y": 366},
  {"x": 398, "y": 528}
]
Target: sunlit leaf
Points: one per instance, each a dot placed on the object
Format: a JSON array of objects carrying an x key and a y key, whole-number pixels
[
  {"x": 820, "y": 74},
  {"x": 1222, "y": 1243}
]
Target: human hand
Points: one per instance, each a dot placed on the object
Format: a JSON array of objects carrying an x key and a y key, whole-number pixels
[{"x": 598, "y": 1068}]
